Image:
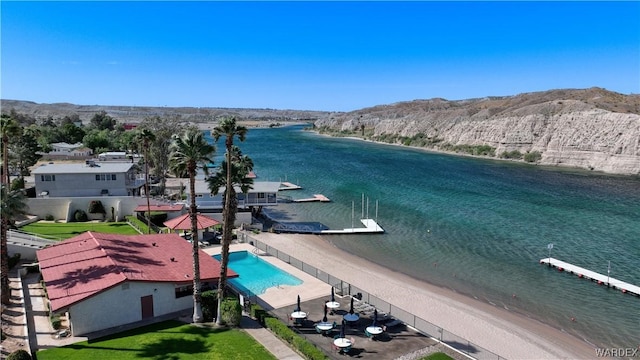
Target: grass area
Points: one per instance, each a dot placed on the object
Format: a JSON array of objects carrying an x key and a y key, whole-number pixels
[
  {"x": 64, "y": 231},
  {"x": 437, "y": 356},
  {"x": 171, "y": 340}
]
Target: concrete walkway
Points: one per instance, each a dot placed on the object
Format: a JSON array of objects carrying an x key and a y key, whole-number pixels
[{"x": 268, "y": 340}]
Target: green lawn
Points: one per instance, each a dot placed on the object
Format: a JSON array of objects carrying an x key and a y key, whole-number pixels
[
  {"x": 170, "y": 340},
  {"x": 63, "y": 231}
]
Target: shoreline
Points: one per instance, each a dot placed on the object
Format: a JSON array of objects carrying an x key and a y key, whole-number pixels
[
  {"x": 550, "y": 167},
  {"x": 508, "y": 334}
]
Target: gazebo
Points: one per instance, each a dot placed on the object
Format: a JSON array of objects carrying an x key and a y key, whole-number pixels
[{"x": 183, "y": 222}]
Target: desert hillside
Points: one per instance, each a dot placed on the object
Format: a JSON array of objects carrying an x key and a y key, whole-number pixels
[{"x": 591, "y": 128}]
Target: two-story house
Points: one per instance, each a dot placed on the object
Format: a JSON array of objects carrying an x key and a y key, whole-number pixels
[{"x": 88, "y": 179}]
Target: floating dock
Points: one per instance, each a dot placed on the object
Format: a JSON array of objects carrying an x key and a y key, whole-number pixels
[
  {"x": 316, "y": 197},
  {"x": 371, "y": 227},
  {"x": 592, "y": 275},
  {"x": 289, "y": 186}
]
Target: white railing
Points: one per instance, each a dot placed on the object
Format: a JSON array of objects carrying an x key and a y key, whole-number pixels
[{"x": 27, "y": 239}]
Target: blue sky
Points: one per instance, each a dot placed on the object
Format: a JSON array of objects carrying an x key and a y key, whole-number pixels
[{"x": 336, "y": 56}]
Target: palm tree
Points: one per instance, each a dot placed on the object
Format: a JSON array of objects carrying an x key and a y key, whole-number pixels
[
  {"x": 9, "y": 128},
  {"x": 146, "y": 137},
  {"x": 12, "y": 205},
  {"x": 189, "y": 152},
  {"x": 229, "y": 129}
]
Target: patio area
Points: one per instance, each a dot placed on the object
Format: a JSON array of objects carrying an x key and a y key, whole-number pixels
[{"x": 396, "y": 341}]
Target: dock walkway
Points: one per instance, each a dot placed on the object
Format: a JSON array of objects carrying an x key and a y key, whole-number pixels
[
  {"x": 592, "y": 275},
  {"x": 285, "y": 185},
  {"x": 371, "y": 227},
  {"x": 316, "y": 197}
]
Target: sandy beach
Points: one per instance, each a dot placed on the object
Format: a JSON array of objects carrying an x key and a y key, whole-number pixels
[{"x": 507, "y": 334}]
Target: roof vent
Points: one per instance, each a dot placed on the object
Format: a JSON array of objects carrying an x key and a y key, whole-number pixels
[
  {"x": 154, "y": 244},
  {"x": 173, "y": 259}
]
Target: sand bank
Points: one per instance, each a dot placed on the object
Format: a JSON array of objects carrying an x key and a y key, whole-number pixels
[{"x": 507, "y": 334}]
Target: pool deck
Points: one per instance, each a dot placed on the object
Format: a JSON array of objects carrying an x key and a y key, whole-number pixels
[{"x": 283, "y": 295}]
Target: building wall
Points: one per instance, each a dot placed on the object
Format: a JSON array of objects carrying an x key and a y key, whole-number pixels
[
  {"x": 64, "y": 208},
  {"x": 121, "y": 305},
  {"x": 66, "y": 185}
]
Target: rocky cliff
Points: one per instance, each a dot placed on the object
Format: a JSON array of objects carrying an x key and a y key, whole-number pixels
[{"x": 592, "y": 129}]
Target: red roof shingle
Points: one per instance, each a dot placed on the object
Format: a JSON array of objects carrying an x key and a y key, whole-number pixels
[{"x": 89, "y": 263}]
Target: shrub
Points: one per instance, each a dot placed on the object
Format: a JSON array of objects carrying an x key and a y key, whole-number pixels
[
  {"x": 17, "y": 184},
  {"x": 19, "y": 355},
  {"x": 231, "y": 312},
  {"x": 515, "y": 154},
  {"x": 49, "y": 217},
  {"x": 301, "y": 344},
  {"x": 209, "y": 304},
  {"x": 158, "y": 218},
  {"x": 56, "y": 322},
  {"x": 96, "y": 207},
  {"x": 14, "y": 260},
  {"x": 80, "y": 216},
  {"x": 532, "y": 156}
]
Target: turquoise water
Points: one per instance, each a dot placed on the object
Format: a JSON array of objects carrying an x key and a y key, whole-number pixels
[
  {"x": 485, "y": 223},
  {"x": 256, "y": 275}
]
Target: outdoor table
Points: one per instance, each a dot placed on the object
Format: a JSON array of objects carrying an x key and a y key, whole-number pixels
[
  {"x": 298, "y": 316},
  {"x": 374, "y": 330},
  {"x": 351, "y": 317},
  {"x": 324, "y": 327},
  {"x": 332, "y": 305},
  {"x": 342, "y": 343}
]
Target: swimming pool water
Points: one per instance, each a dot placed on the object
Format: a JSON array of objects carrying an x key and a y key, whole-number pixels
[{"x": 256, "y": 275}]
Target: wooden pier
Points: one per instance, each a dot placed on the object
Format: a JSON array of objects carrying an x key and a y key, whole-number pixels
[
  {"x": 316, "y": 197},
  {"x": 592, "y": 275}
]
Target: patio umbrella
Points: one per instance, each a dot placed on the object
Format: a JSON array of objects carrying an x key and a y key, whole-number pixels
[
  {"x": 375, "y": 317},
  {"x": 333, "y": 297},
  {"x": 324, "y": 319},
  {"x": 298, "y": 304},
  {"x": 344, "y": 324},
  {"x": 351, "y": 309}
]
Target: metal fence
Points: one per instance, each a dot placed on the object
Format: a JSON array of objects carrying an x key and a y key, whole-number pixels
[{"x": 345, "y": 288}]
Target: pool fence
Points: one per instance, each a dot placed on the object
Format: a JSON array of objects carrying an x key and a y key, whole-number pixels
[{"x": 346, "y": 289}]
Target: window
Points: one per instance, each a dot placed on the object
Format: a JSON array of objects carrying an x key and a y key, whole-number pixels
[
  {"x": 105, "y": 177},
  {"x": 47, "y": 177},
  {"x": 182, "y": 291},
  {"x": 260, "y": 195}
]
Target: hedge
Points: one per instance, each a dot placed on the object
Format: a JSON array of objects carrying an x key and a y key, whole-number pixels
[{"x": 301, "y": 344}]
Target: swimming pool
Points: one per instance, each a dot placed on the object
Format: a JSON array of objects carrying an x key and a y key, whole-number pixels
[{"x": 255, "y": 274}]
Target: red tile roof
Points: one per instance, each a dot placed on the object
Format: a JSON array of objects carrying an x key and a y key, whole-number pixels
[
  {"x": 168, "y": 208},
  {"x": 89, "y": 263}
]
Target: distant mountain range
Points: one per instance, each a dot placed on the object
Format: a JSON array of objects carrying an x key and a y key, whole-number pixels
[{"x": 590, "y": 128}]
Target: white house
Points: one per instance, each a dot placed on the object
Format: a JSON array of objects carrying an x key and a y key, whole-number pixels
[
  {"x": 63, "y": 149},
  {"x": 88, "y": 179},
  {"x": 120, "y": 156},
  {"x": 106, "y": 280},
  {"x": 263, "y": 193}
]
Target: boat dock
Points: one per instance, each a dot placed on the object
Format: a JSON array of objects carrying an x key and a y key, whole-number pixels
[
  {"x": 285, "y": 185},
  {"x": 592, "y": 275},
  {"x": 316, "y": 197},
  {"x": 371, "y": 227}
]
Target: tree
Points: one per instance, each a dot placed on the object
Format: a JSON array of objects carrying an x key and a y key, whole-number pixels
[
  {"x": 190, "y": 152},
  {"x": 229, "y": 129},
  {"x": 164, "y": 129},
  {"x": 102, "y": 121},
  {"x": 145, "y": 138},
  {"x": 10, "y": 130},
  {"x": 71, "y": 133},
  {"x": 24, "y": 153},
  {"x": 12, "y": 205}
]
